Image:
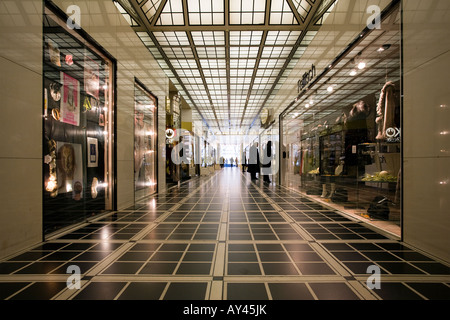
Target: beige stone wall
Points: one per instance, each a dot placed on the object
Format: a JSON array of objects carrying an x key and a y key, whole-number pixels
[
  {"x": 21, "y": 120},
  {"x": 426, "y": 128}
]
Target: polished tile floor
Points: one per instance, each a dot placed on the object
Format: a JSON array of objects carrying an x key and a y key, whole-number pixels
[{"x": 224, "y": 237}]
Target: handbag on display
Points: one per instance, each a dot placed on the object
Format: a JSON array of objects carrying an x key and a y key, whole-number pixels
[{"x": 379, "y": 208}]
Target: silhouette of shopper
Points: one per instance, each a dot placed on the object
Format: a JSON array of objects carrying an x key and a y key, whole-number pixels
[
  {"x": 253, "y": 161},
  {"x": 267, "y": 161}
]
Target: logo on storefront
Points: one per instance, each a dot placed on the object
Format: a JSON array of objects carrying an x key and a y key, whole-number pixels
[
  {"x": 306, "y": 79},
  {"x": 393, "y": 135},
  {"x": 170, "y": 133}
]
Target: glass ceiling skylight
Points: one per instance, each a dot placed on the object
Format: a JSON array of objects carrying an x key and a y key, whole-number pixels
[
  {"x": 227, "y": 58},
  {"x": 247, "y": 11},
  {"x": 205, "y": 12}
]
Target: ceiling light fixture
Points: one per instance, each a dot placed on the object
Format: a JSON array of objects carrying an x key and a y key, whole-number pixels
[
  {"x": 384, "y": 47},
  {"x": 358, "y": 62},
  {"x": 330, "y": 87},
  {"x": 353, "y": 73}
]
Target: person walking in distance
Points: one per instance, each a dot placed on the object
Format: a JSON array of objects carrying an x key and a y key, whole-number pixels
[
  {"x": 267, "y": 162},
  {"x": 253, "y": 161}
]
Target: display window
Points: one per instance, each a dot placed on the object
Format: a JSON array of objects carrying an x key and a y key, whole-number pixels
[
  {"x": 187, "y": 154},
  {"x": 145, "y": 141},
  {"x": 173, "y": 137},
  {"x": 342, "y": 135},
  {"x": 78, "y": 133}
]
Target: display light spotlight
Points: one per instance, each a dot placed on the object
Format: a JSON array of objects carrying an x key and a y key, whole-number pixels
[
  {"x": 384, "y": 47},
  {"x": 358, "y": 62}
]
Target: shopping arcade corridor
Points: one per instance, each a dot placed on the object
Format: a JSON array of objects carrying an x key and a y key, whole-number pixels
[{"x": 224, "y": 237}]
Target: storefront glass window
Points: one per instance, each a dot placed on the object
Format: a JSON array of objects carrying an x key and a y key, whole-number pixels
[
  {"x": 145, "y": 145},
  {"x": 78, "y": 147},
  {"x": 343, "y": 134}
]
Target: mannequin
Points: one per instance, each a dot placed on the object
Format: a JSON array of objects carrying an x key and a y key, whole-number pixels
[{"x": 337, "y": 172}]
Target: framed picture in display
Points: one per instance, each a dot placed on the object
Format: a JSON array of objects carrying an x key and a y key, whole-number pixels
[
  {"x": 70, "y": 100},
  {"x": 92, "y": 152}
]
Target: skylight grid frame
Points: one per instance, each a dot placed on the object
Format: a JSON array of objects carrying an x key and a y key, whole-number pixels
[
  {"x": 183, "y": 53},
  {"x": 247, "y": 12},
  {"x": 251, "y": 35},
  {"x": 271, "y": 64},
  {"x": 282, "y": 38},
  {"x": 206, "y": 12},
  {"x": 211, "y": 52},
  {"x": 242, "y": 52},
  {"x": 172, "y": 14},
  {"x": 215, "y": 73},
  {"x": 242, "y": 63},
  {"x": 324, "y": 11},
  {"x": 208, "y": 38},
  {"x": 150, "y": 8},
  {"x": 212, "y": 63},
  {"x": 236, "y": 73},
  {"x": 281, "y": 13},
  {"x": 172, "y": 38},
  {"x": 128, "y": 17},
  {"x": 278, "y": 52},
  {"x": 185, "y": 64},
  {"x": 245, "y": 38},
  {"x": 303, "y": 7}
]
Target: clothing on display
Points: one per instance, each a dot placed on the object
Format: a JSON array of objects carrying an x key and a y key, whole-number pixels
[{"x": 386, "y": 110}]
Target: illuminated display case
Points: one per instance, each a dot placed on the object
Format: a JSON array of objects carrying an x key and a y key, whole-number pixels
[
  {"x": 78, "y": 124},
  {"x": 145, "y": 141},
  {"x": 343, "y": 132}
]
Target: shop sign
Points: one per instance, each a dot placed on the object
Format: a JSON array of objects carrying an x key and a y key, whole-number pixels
[
  {"x": 170, "y": 133},
  {"x": 374, "y": 21},
  {"x": 74, "y": 20},
  {"x": 307, "y": 77},
  {"x": 393, "y": 135}
]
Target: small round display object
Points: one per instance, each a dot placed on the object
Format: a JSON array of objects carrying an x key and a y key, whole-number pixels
[
  {"x": 94, "y": 191},
  {"x": 55, "y": 114}
]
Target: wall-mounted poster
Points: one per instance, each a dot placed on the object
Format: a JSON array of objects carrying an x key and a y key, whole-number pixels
[
  {"x": 70, "y": 168},
  {"x": 92, "y": 152},
  {"x": 91, "y": 77},
  {"x": 70, "y": 100}
]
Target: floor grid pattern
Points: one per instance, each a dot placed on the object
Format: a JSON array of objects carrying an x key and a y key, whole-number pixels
[{"x": 224, "y": 237}]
